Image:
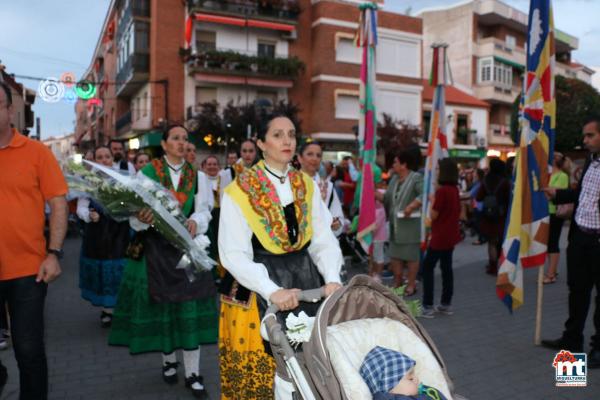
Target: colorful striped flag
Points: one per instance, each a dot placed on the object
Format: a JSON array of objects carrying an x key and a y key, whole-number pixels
[
  {"x": 528, "y": 220},
  {"x": 366, "y": 38},
  {"x": 438, "y": 143}
]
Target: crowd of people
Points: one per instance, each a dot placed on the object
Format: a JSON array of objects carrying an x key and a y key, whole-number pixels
[{"x": 275, "y": 214}]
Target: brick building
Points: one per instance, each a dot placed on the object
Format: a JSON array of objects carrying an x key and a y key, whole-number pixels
[
  {"x": 487, "y": 56},
  {"x": 329, "y": 88},
  {"x": 158, "y": 60}
]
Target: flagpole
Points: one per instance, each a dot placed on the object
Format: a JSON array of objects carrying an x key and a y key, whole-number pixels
[{"x": 538, "y": 311}]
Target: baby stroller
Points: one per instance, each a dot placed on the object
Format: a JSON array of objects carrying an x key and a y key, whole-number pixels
[{"x": 348, "y": 325}]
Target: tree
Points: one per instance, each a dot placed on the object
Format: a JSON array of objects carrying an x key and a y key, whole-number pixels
[
  {"x": 207, "y": 125},
  {"x": 575, "y": 100},
  {"x": 395, "y": 136},
  {"x": 229, "y": 127}
]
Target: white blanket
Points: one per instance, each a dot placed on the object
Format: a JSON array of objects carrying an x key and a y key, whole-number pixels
[{"x": 349, "y": 342}]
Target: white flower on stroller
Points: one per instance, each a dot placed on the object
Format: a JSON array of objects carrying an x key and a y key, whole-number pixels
[{"x": 299, "y": 328}]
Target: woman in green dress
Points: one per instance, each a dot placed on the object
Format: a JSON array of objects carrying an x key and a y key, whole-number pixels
[
  {"x": 402, "y": 202},
  {"x": 158, "y": 308}
]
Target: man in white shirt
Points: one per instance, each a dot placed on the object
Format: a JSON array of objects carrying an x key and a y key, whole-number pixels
[
  {"x": 583, "y": 252},
  {"x": 120, "y": 161}
]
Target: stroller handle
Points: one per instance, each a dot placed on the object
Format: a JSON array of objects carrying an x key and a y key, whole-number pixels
[{"x": 307, "y": 296}]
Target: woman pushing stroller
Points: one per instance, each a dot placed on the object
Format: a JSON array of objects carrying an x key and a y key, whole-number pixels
[{"x": 274, "y": 240}]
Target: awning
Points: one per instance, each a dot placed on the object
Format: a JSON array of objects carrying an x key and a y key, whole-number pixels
[
  {"x": 150, "y": 139},
  {"x": 253, "y": 23},
  {"x": 509, "y": 62},
  {"x": 467, "y": 153}
]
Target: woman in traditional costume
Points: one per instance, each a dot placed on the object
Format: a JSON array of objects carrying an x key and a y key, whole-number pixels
[
  {"x": 102, "y": 258},
  {"x": 310, "y": 157},
  {"x": 159, "y": 309},
  {"x": 275, "y": 238},
  {"x": 249, "y": 158}
]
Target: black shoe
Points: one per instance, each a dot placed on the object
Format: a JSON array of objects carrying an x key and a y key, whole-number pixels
[
  {"x": 170, "y": 379},
  {"x": 106, "y": 319},
  {"x": 198, "y": 393},
  {"x": 593, "y": 359},
  {"x": 3, "y": 377},
  {"x": 560, "y": 344}
]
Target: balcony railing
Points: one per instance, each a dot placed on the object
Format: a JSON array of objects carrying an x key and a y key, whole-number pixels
[
  {"x": 236, "y": 63},
  {"x": 492, "y": 46},
  {"x": 266, "y": 9}
]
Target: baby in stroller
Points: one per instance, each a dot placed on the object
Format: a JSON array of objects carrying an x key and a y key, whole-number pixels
[
  {"x": 348, "y": 326},
  {"x": 390, "y": 375}
]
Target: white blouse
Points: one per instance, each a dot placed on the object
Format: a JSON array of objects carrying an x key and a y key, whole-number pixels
[
  {"x": 235, "y": 242},
  {"x": 336, "y": 206},
  {"x": 202, "y": 200}
]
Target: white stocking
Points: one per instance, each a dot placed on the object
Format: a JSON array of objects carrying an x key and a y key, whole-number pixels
[
  {"x": 191, "y": 362},
  {"x": 172, "y": 359}
]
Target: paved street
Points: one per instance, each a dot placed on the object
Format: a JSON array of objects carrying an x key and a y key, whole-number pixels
[{"x": 489, "y": 353}]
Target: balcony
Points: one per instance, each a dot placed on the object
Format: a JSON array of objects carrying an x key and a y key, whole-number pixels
[
  {"x": 494, "y": 47},
  {"x": 500, "y": 135},
  {"x": 135, "y": 9},
  {"x": 272, "y": 10},
  {"x": 232, "y": 64},
  {"x": 133, "y": 74},
  {"x": 123, "y": 124},
  {"x": 565, "y": 70},
  {"x": 495, "y": 93}
]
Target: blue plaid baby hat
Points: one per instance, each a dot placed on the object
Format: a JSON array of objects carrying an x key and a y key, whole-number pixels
[{"x": 383, "y": 368}]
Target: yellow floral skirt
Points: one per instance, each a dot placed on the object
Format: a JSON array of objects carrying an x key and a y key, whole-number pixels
[{"x": 247, "y": 372}]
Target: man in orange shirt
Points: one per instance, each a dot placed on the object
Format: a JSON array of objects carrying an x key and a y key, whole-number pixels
[{"x": 29, "y": 177}]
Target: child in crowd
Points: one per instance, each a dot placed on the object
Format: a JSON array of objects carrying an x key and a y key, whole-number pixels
[
  {"x": 380, "y": 236},
  {"x": 390, "y": 375}
]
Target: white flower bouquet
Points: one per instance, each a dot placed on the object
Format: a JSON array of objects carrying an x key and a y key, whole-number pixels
[{"x": 122, "y": 196}]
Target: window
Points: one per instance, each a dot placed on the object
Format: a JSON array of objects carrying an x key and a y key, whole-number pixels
[
  {"x": 266, "y": 49},
  {"x": 491, "y": 70},
  {"x": 205, "y": 41},
  {"x": 346, "y": 51},
  {"x": 401, "y": 105},
  {"x": 462, "y": 129},
  {"x": 142, "y": 37},
  {"x": 138, "y": 108},
  {"x": 511, "y": 42},
  {"x": 131, "y": 40},
  {"x": 205, "y": 95},
  {"x": 485, "y": 70},
  {"x": 346, "y": 106},
  {"x": 145, "y": 107},
  {"x": 398, "y": 57}
]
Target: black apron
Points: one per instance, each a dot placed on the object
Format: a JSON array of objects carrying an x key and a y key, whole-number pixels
[
  {"x": 289, "y": 270},
  {"x": 105, "y": 239},
  {"x": 166, "y": 284}
]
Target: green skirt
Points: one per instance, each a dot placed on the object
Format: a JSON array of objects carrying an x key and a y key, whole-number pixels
[
  {"x": 404, "y": 251},
  {"x": 144, "y": 325}
]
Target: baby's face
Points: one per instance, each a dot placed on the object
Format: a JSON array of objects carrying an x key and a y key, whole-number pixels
[{"x": 408, "y": 385}]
